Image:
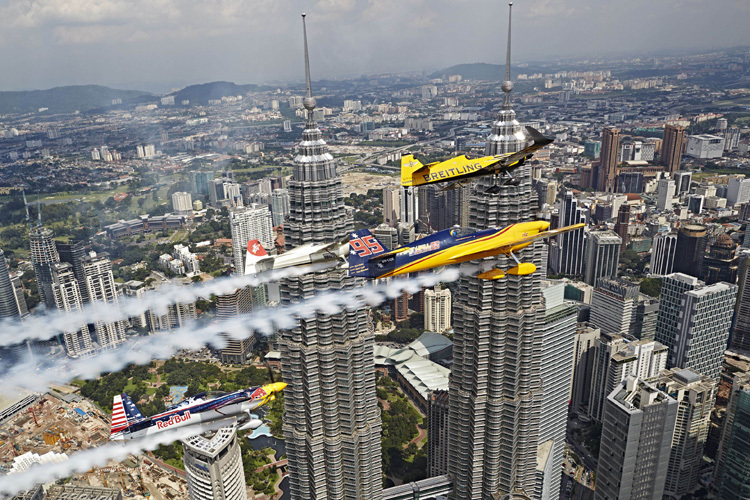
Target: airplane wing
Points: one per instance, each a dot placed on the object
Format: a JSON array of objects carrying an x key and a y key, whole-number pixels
[
  {"x": 490, "y": 245},
  {"x": 539, "y": 142},
  {"x": 544, "y": 234}
]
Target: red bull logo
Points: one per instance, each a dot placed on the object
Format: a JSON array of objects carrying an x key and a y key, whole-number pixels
[
  {"x": 173, "y": 420},
  {"x": 258, "y": 393}
]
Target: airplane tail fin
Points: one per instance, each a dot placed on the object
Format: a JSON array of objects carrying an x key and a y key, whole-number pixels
[
  {"x": 409, "y": 165},
  {"x": 363, "y": 246},
  {"x": 124, "y": 413},
  {"x": 255, "y": 253}
]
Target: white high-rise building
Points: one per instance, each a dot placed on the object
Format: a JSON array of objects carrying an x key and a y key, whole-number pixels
[
  {"x": 188, "y": 259},
  {"x": 567, "y": 250},
  {"x": 637, "y": 430},
  {"x": 391, "y": 208},
  {"x": 602, "y": 255},
  {"x": 662, "y": 254},
  {"x": 437, "y": 310},
  {"x": 67, "y": 297},
  {"x": 213, "y": 466},
  {"x": 705, "y": 146},
  {"x": 665, "y": 193},
  {"x": 695, "y": 395},
  {"x": 738, "y": 191},
  {"x": 694, "y": 321},
  {"x": 182, "y": 203},
  {"x": 102, "y": 292},
  {"x": 249, "y": 223},
  {"x": 615, "y": 360},
  {"x": 557, "y": 372},
  {"x": 409, "y": 205},
  {"x": 613, "y": 305}
]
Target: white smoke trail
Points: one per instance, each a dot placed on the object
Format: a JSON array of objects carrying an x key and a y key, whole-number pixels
[
  {"x": 83, "y": 461},
  {"x": 38, "y": 375},
  {"x": 46, "y": 326}
]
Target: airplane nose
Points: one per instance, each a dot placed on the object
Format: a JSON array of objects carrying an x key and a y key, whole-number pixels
[
  {"x": 543, "y": 225},
  {"x": 278, "y": 386}
]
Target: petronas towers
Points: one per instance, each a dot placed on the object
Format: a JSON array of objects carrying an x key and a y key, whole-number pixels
[{"x": 332, "y": 421}]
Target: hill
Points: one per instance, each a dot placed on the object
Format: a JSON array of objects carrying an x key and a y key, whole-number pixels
[
  {"x": 64, "y": 99},
  {"x": 202, "y": 93}
]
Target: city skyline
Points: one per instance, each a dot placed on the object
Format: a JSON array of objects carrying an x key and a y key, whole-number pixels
[{"x": 151, "y": 41}]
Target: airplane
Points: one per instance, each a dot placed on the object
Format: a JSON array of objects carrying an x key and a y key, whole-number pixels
[
  {"x": 129, "y": 423},
  {"x": 257, "y": 259},
  {"x": 462, "y": 169},
  {"x": 368, "y": 257}
]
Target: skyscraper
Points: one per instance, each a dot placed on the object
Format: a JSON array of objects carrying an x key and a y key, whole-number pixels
[
  {"x": 390, "y": 206},
  {"x": 409, "y": 205},
  {"x": 229, "y": 305},
  {"x": 67, "y": 296},
  {"x": 721, "y": 263},
  {"x": 615, "y": 360},
  {"x": 279, "y": 206},
  {"x": 495, "y": 383},
  {"x": 557, "y": 371},
  {"x": 606, "y": 172},
  {"x": 694, "y": 321},
  {"x": 249, "y": 223},
  {"x": 662, "y": 254},
  {"x": 695, "y": 395},
  {"x": 182, "y": 203},
  {"x": 8, "y": 303},
  {"x": 602, "y": 256},
  {"x": 637, "y": 433},
  {"x": 623, "y": 222},
  {"x": 583, "y": 367},
  {"x": 665, "y": 193},
  {"x": 438, "y": 424},
  {"x": 567, "y": 250},
  {"x": 213, "y": 465},
  {"x": 671, "y": 149},
  {"x": 43, "y": 256},
  {"x": 690, "y": 250},
  {"x": 437, "y": 310},
  {"x": 101, "y": 290},
  {"x": 613, "y": 305},
  {"x": 733, "y": 457},
  {"x": 331, "y": 420},
  {"x": 73, "y": 252},
  {"x": 741, "y": 331}
]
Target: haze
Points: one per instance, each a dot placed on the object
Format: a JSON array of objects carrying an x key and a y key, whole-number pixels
[{"x": 170, "y": 43}]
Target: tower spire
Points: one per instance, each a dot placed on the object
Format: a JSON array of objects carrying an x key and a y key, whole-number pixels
[
  {"x": 308, "y": 102},
  {"x": 26, "y": 206},
  {"x": 507, "y": 85}
]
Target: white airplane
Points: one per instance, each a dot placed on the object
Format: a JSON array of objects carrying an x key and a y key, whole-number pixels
[{"x": 258, "y": 260}]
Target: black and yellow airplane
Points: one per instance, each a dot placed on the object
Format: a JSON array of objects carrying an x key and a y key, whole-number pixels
[{"x": 462, "y": 169}]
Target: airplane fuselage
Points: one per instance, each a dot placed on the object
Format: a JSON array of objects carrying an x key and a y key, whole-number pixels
[
  {"x": 451, "y": 247},
  {"x": 230, "y": 407}
]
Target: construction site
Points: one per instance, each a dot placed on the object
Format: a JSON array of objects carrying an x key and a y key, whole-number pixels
[{"x": 42, "y": 429}]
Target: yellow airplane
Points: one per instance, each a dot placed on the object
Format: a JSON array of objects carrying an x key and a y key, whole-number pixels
[
  {"x": 463, "y": 169},
  {"x": 368, "y": 258}
]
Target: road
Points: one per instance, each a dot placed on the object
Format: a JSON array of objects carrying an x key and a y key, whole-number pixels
[{"x": 588, "y": 460}]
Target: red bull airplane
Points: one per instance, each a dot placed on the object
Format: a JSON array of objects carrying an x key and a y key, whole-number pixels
[
  {"x": 368, "y": 257},
  {"x": 129, "y": 423}
]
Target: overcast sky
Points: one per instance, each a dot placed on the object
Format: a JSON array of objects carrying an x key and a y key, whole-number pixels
[{"x": 45, "y": 43}]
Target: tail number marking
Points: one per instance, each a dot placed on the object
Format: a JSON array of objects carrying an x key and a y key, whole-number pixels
[{"x": 366, "y": 245}]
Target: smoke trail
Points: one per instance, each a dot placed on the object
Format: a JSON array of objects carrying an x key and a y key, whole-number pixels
[
  {"x": 83, "y": 461},
  {"x": 45, "y": 326},
  {"x": 37, "y": 376}
]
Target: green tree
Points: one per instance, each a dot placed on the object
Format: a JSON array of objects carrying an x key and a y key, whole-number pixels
[{"x": 651, "y": 286}]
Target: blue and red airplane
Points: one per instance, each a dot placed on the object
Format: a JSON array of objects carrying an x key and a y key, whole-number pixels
[
  {"x": 234, "y": 407},
  {"x": 369, "y": 258}
]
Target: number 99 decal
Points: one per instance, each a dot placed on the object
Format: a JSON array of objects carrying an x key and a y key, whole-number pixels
[{"x": 366, "y": 245}]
